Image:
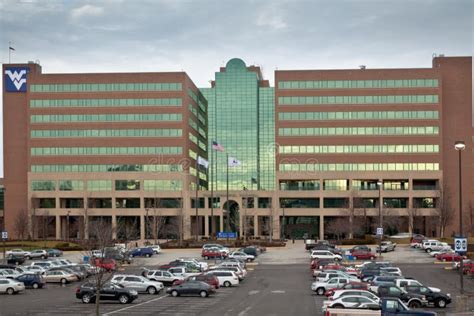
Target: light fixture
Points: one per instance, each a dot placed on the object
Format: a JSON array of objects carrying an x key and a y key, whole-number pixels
[
  {"x": 459, "y": 145},
  {"x": 379, "y": 183}
]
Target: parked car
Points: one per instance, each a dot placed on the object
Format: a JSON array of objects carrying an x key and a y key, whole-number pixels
[
  {"x": 241, "y": 274},
  {"x": 449, "y": 257},
  {"x": 416, "y": 241},
  {"x": 11, "y": 286},
  {"x": 138, "y": 283},
  {"x": 392, "y": 291},
  {"x": 106, "y": 264},
  {"x": 349, "y": 286},
  {"x": 36, "y": 269},
  {"x": 386, "y": 246},
  {"x": 155, "y": 248},
  {"x": 191, "y": 288},
  {"x": 164, "y": 277},
  {"x": 37, "y": 254},
  {"x": 392, "y": 270},
  {"x": 340, "y": 293},
  {"x": 213, "y": 253},
  {"x": 221, "y": 247},
  {"x": 208, "y": 278},
  {"x": 402, "y": 283},
  {"x": 17, "y": 252},
  {"x": 226, "y": 278},
  {"x": 33, "y": 280},
  {"x": 201, "y": 264},
  {"x": 429, "y": 244},
  {"x": 438, "y": 299},
  {"x": 182, "y": 272},
  {"x": 44, "y": 264},
  {"x": 401, "y": 235},
  {"x": 141, "y": 252},
  {"x": 323, "y": 254},
  {"x": 361, "y": 254},
  {"x": 360, "y": 248},
  {"x": 109, "y": 292},
  {"x": 353, "y": 301},
  {"x": 241, "y": 255},
  {"x": 320, "y": 287},
  {"x": 251, "y": 250},
  {"x": 9, "y": 273},
  {"x": 54, "y": 252},
  {"x": 79, "y": 274},
  {"x": 443, "y": 250},
  {"x": 15, "y": 259},
  {"x": 59, "y": 276}
]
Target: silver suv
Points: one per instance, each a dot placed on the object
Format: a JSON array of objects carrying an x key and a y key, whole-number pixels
[
  {"x": 37, "y": 254},
  {"x": 138, "y": 283}
]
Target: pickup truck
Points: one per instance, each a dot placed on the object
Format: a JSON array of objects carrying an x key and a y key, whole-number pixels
[{"x": 388, "y": 307}]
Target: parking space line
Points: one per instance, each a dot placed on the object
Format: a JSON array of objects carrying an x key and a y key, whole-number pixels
[{"x": 133, "y": 306}]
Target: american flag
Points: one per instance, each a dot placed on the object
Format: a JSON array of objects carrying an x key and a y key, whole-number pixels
[{"x": 217, "y": 146}]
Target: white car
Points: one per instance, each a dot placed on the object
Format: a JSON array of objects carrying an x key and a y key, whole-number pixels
[
  {"x": 18, "y": 252},
  {"x": 98, "y": 253},
  {"x": 340, "y": 293},
  {"x": 44, "y": 264},
  {"x": 162, "y": 276},
  {"x": 240, "y": 273},
  {"x": 156, "y": 249},
  {"x": 352, "y": 301},
  {"x": 181, "y": 272},
  {"x": 9, "y": 273},
  {"x": 11, "y": 286},
  {"x": 138, "y": 283},
  {"x": 226, "y": 278},
  {"x": 203, "y": 265},
  {"x": 324, "y": 254},
  {"x": 392, "y": 270},
  {"x": 37, "y": 269},
  {"x": 401, "y": 283},
  {"x": 241, "y": 255},
  {"x": 327, "y": 275},
  {"x": 335, "y": 283},
  {"x": 232, "y": 264}
]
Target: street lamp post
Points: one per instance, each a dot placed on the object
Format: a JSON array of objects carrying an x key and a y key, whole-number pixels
[
  {"x": 379, "y": 184},
  {"x": 460, "y": 146}
]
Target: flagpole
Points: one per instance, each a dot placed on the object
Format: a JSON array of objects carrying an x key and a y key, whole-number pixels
[
  {"x": 212, "y": 193},
  {"x": 196, "y": 202},
  {"x": 227, "y": 194},
  {"x": 9, "y": 52}
]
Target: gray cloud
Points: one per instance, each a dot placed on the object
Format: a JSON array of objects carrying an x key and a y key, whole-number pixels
[{"x": 200, "y": 36}]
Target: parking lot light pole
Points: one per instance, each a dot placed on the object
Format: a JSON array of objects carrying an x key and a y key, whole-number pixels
[
  {"x": 460, "y": 146},
  {"x": 379, "y": 184}
]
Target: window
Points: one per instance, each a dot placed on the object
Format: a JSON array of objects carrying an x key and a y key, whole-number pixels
[
  {"x": 336, "y": 202},
  {"x": 299, "y": 185},
  {"x": 335, "y": 185},
  {"x": 71, "y": 185},
  {"x": 88, "y": 133},
  {"x": 105, "y": 87},
  {"x": 127, "y": 185},
  {"x": 358, "y": 115},
  {"x": 99, "y": 185},
  {"x": 299, "y": 202},
  {"x": 43, "y": 185}
]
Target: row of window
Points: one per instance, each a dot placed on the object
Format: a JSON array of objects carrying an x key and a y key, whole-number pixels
[
  {"x": 367, "y": 115},
  {"x": 359, "y": 99},
  {"x": 106, "y": 168},
  {"x": 331, "y": 149},
  {"x": 147, "y": 117},
  {"x": 199, "y": 99},
  {"x": 343, "y": 185},
  {"x": 311, "y": 167},
  {"x": 107, "y": 185},
  {"x": 68, "y": 151},
  {"x": 58, "y": 103},
  {"x": 358, "y": 84},
  {"x": 106, "y": 87},
  {"x": 163, "y": 132},
  {"x": 389, "y": 130}
]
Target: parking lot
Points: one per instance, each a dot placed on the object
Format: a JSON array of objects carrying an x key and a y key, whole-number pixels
[{"x": 278, "y": 283}]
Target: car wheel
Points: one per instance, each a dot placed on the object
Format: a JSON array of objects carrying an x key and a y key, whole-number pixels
[
  {"x": 248, "y": 260},
  {"x": 428, "y": 250},
  {"x": 227, "y": 284},
  {"x": 338, "y": 306},
  {"x": 43, "y": 257},
  {"x": 10, "y": 291},
  {"x": 86, "y": 299},
  {"x": 63, "y": 281},
  {"x": 174, "y": 293},
  {"x": 444, "y": 259},
  {"x": 28, "y": 258},
  {"x": 206, "y": 257},
  {"x": 372, "y": 258},
  {"x": 414, "y": 304},
  {"x": 441, "y": 303},
  {"x": 123, "y": 299},
  {"x": 151, "y": 290},
  {"x": 35, "y": 285},
  {"x": 147, "y": 255},
  {"x": 320, "y": 291},
  {"x": 203, "y": 294}
]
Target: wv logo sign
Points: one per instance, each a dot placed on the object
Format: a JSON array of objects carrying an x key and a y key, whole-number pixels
[{"x": 15, "y": 79}]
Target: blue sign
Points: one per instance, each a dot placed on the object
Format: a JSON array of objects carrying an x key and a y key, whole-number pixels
[
  {"x": 15, "y": 79},
  {"x": 226, "y": 235}
]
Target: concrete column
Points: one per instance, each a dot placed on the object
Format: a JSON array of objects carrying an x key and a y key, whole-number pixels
[
  {"x": 86, "y": 227},
  {"x": 58, "y": 227},
  {"x": 206, "y": 225},
  {"x": 410, "y": 223},
  {"x": 114, "y": 227},
  {"x": 321, "y": 227},
  {"x": 142, "y": 227},
  {"x": 241, "y": 225},
  {"x": 255, "y": 226},
  {"x": 221, "y": 223}
]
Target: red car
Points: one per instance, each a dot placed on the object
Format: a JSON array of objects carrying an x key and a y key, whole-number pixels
[
  {"x": 334, "y": 267},
  {"x": 208, "y": 278},
  {"x": 349, "y": 286},
  {"x": 448, "y": 257},
  {"x": 213, "y": 253},
  {"x": 468, "y": 267},
  {"x": 360, "y": 254},
  {"x": 106, "y": 264}
]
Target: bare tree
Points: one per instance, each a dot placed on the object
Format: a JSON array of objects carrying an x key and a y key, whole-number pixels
[
  {"x": 101, "y": 237},
  {"x": 445, "y": 213},
  {"x": 337, "y": 227},
  {"x": 127, "y": 230},
  {"x": 21, "y": 224},
  {"x": 413, "y": 212}
]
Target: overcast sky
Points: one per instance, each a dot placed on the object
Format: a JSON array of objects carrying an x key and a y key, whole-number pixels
[{"x": 200, "y": 36}]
